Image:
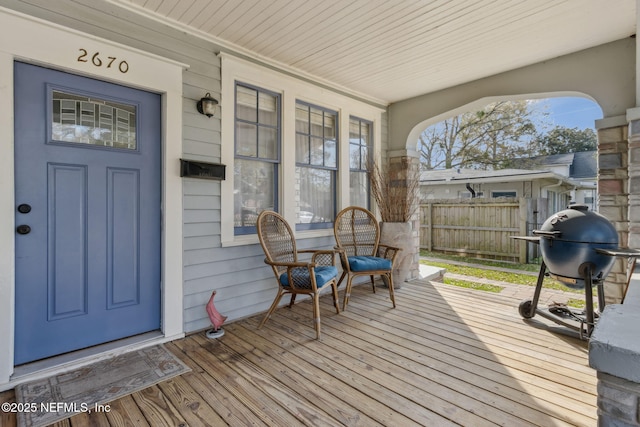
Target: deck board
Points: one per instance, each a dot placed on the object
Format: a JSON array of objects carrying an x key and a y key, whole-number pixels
[{"x": 444, "y": 356}]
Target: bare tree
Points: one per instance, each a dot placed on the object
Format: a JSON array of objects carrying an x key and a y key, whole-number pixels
[{"x": 481, "y": 139}]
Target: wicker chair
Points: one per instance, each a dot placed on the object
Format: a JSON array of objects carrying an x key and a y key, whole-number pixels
[
  {"x": 358, "y": 240},
  {"x": 293, "y": 276}
]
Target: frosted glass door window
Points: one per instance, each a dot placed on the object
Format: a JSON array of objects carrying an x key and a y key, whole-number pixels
[{"x": 84, "y": 120}]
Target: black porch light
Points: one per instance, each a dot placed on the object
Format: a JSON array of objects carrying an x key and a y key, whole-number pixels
[{"x": 207, "y": 105}]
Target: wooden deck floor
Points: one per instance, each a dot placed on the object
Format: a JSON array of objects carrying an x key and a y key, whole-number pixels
[{"x": 444, "y": 356}]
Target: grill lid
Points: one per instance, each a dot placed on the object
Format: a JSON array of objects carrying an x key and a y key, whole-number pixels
[{"x": 578, "y": 224}]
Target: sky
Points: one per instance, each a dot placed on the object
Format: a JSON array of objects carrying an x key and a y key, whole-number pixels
[{"x": 578, "y": 113}]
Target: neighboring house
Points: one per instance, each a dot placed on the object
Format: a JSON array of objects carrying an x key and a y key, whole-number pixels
[
  {"x": 550, "y": 190},
  {"x": 581, "y": 168},
  {"x": 559, "y": 180},
  {"x": 106, "y": 247}
]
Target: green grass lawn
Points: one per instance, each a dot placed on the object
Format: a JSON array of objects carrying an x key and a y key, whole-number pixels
[
  {"x": 472, "y": 285},
  {"x": 451, "y": 264},
  {"x": 479, "y": 261}
]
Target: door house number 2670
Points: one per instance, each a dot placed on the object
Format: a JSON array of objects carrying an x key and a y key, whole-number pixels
[{"x": 98, "y": 61}]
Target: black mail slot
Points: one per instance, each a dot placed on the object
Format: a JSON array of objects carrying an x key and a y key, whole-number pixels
[{"x": 192, "y": 169}]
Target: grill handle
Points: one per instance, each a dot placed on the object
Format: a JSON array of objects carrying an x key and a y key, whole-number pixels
[{"x": 549, "y": 234}]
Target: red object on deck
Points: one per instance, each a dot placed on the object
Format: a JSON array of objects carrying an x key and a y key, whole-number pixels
[{"x": 216, "y": 318}]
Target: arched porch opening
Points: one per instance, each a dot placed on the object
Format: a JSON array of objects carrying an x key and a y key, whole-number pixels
[{"x": 604, "y": 74}]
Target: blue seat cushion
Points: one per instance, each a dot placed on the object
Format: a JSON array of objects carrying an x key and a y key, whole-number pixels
[
  {"x": 368, "y": 263},
  {"x": 301, "y": 276}
]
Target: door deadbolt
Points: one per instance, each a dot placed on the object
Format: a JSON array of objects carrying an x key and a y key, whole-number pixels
[
  {"x": 24, "y": 208},
  {"x": 23, "y": 229}
]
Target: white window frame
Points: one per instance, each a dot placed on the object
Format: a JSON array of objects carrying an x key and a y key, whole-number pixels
[
  {"x": 258, "y": 158},
  {"x": 309, "y": 165},
  {"x": 291, "y": 89},
  {"x": 370, "y": 150}
]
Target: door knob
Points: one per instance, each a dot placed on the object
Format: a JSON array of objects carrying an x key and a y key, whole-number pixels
[
  {"x": 24, "y": 208},
  {"x": 23, "y": 229}
]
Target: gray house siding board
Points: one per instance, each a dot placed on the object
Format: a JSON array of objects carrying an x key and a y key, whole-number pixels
[
  {"x": 206, "y": 136},
  {"x": 227, "y": 273},
  {"x": 201, "y": 235},
  {"x": 230, "y": 284},
  {"x": 195, "y": 216},
  {"x": 204, "y": 201},
  {"x": 202, "y": 73},
  {"x": 262, "y": 282},
  {"x": 201, "y": 77},
  {"x": 201, "y": 229},
  {"x": 197, "y": 256},
  {"x": 192, "y": 119},
  {"x": 199, "y": 271},
  {"x": 255, "y": 291},
  {"x": 200, "y": 242},
  {"x": 227, "y": 288},
  {"x": 195, "y": 186},
  {"x": 202, "y": 151}
]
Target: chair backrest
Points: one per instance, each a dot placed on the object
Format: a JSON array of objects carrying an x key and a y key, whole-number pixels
[
  {"x": 357, "y": 231},
  {"x": 276, "y": 239}
]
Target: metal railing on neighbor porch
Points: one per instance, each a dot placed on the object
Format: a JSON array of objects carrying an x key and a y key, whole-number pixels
[{"x": 481, "y": 228}]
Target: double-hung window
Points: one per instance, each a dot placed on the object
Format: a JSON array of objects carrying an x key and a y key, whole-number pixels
[
  {"x": 316, "y": 166},
  {"x": 360, "y": 150},
  {"x": 257, "y": 154}
]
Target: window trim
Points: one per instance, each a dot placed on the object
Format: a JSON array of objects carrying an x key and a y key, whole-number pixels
[
  {"x": 335, "y": 169},
  {"x": 291, "y": 88},
  {"x": 277, "y": 162},
  {"x": 50, "y": 139},
  {"x": 370, "y": 153}
]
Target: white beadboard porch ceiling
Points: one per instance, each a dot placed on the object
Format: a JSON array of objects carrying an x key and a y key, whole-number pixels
[{"x": 390, "y": 50}]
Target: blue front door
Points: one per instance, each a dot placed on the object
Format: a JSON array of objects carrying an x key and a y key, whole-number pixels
[{"x": 87, "y": 193}]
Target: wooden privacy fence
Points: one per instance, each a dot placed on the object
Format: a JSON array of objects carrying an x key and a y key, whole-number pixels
[{"x": 480, "y": 228}]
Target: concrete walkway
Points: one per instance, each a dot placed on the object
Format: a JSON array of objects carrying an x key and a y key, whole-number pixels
[{"x": 521, "y": 292}]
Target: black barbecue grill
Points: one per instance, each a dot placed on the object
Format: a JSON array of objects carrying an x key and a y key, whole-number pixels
[{"x": 578, "y": 250}]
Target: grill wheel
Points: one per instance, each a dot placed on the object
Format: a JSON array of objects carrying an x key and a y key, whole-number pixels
[{"x": 525, "y": 309}]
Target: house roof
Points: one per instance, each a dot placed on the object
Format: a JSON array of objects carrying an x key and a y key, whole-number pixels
[
  {"x": 551, "y": 160},
  {"x": 581, "y": 165},
  {"x": 386, "y": 51},
  {"x": 585, "y": 165}
]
